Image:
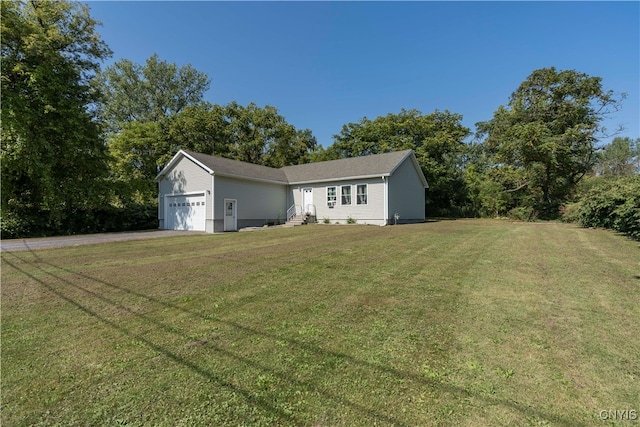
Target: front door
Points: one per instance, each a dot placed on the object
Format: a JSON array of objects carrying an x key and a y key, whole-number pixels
[
  {"x": 230, "y": 217},
  {"x": 307, "y": 201}
]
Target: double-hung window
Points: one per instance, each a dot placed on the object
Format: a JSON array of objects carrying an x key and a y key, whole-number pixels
[
  {"x": 332, "y": 196},
  {"x": 361, "y": 194},
  {"x": 346, "y": 194}
]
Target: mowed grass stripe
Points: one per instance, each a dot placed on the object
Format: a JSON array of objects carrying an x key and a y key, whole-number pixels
[
  {"x": 455, "y": 322},
  {"x": 537, "y": 332}
]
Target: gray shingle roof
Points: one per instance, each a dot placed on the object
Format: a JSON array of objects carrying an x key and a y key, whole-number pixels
[
  {"x": 342, "y": 169},
  {"x": 223, "y": 166},
  {"x": 353, "y": 167}
]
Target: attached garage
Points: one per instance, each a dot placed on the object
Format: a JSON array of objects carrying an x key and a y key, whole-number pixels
[{"x": 185, "y": 212}]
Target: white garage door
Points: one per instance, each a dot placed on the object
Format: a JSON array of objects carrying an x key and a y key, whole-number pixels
[{"x": 186, "y": 212}]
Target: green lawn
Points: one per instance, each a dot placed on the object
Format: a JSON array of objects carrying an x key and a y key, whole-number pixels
[{"x": 466, "y": 322}]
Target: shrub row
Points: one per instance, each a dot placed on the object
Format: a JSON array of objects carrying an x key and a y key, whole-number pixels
[
  {"x": 39, "y": 223},
  {"x": 610, "y": 203}
]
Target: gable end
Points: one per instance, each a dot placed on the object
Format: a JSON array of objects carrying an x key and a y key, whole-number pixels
[
  {"x": 175, "y": 160},
  {"x": 412, "y": 158}
]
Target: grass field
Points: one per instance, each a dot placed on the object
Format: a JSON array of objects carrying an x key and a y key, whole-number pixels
[{"x": 467, "y": 322}]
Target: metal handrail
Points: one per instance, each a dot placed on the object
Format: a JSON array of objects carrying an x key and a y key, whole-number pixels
[
  {"x": 291, "y": 212},
  {"x": 310, "y": 210}
]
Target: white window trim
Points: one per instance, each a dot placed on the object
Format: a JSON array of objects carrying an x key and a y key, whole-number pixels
[
  {"x": 366, "y": 193},
  {"x": 350, "y": 195},
  {"x": 332, "y": 202}
]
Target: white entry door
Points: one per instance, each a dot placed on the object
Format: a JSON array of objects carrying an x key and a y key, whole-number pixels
[
  {"x": 230, "y": 215},
  {"x": 185, "y": 212},
  {"x": 307, "y": 201}
]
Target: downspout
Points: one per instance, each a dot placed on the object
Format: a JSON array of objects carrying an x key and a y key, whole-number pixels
[
  {"x": 213, "y": 205},
  {"x": 161, "y": 207},
  {"x": 386, "y": 199},
  {"x": 164, "y": 208}
]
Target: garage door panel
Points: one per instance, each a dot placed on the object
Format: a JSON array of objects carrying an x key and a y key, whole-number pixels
[{"x": 186, "y": 212}]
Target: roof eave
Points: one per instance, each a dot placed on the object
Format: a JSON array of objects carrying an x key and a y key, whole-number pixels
[
  {"x": 249, "y": 178},
  {"x": 346, "y": 178}
]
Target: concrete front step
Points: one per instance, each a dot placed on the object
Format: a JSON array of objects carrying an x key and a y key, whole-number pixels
[{"x": 296, "y": 220}]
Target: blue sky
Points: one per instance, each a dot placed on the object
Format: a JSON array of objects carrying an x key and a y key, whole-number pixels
[{"x": 325, "y": 64}]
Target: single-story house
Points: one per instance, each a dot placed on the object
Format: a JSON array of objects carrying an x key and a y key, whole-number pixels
[{"x": 213, "y": 194}]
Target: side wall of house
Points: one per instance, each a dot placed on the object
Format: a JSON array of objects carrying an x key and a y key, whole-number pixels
[
  {"x": 371, "y": 212},
  {"x": 257, "y": 202},
  {"x": 186, "y": 177},
  {"x": 406, "y": 194}
]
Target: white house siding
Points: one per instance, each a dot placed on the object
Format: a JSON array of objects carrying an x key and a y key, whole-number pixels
[
  {"x": 257, "y": 202},
  {"x": 406, "y": 194},
  {"x": 371, "y": 213},
  {"x": 186, "y": 177}
]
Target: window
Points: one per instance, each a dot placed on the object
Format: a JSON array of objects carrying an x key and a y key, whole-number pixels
[
  {"x": 332, "y": 196},
  {"x": 361, "y": 194},
  {"x": 346, "y": 194}
]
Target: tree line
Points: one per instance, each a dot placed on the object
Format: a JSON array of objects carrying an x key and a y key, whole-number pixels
[{"x": 81, "y": 145}]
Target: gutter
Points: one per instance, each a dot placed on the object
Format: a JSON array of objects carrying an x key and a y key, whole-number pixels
[{"x": 346, "y": 178}]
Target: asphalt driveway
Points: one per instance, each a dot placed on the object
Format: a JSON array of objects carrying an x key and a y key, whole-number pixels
[{"x": 12, "y": 245}]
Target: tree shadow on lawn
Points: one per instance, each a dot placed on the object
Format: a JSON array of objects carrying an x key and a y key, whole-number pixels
[{"x": 250, "y": 397}]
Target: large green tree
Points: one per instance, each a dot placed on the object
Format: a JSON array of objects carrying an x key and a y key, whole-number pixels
[
  {"x": 150, "y": 92},
  {"x": 619, "y": 158},
  {"x": 135, "y": 155},
  {"x": 53, "y": 158},
  {"x": 150, "y": 110},
  {"x": 438, "y": 142},
  {"x": 263, "y": 136},
  {"x": 197, "y": 128},
  {"x": 542, "y": 143}
]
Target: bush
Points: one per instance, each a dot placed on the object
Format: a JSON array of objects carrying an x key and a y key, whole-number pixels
[
  {"x": 570, "y": 212},
  {"x": 523, "y": 213},
  {"x": 13, "y": 226},
  {"x": 612, "y": 203},
  {"x": 39, "y": 223}
]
